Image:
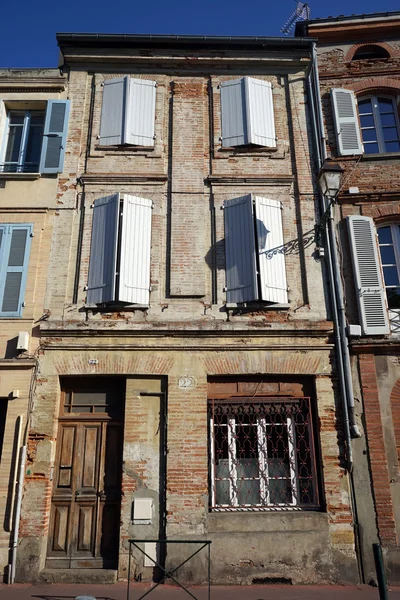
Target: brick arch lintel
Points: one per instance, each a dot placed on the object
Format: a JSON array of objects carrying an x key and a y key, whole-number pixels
[
  {"x": 375, "y": 83},
  {"x": 385, "y": 213},
  {"x": 351, "y": 51}
]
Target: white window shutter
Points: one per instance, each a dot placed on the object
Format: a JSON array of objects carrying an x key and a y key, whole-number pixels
[
  {"x": 113, "y": 111},
  {"x": 240, "y": 256},
  {"x": 103, "y": 250},
  {"x": 269, "y": 236},
  {"x": 54, "y": 136},
  {"x": 370, "y": 290},
  {"x": 345, "y": 115},
  {"x": 141, "y": 109},
  {"x": 260, "y": 112},
  {"x": 134, "y": 272},
  {"x": 15, "y": 243},
  {"x": 233, "y": 113}
]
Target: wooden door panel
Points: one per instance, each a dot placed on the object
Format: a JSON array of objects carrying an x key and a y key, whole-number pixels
[
  {"x": 66, "y": 457},
  {"x": 90, "y": 458},
  {"x": 86, "y": 528},
  {"x": 60, "y": 528}
]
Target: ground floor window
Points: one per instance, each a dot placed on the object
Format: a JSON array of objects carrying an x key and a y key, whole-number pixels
[{"x": 262, "y": 454}]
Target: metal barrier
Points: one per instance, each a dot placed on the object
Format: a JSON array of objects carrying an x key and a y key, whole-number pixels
[{"x": 170, "y": 572}]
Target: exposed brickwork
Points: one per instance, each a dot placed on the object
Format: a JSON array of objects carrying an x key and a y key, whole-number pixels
[
  {"x": 393, "y": 51},
  {"x": 395, "y": 405}
]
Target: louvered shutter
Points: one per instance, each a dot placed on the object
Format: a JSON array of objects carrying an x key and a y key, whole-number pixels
[
  {"x": 103, "y": 250},
  {"x": 54, "y": 136},
  {"x": 269, "y": 236},
  {"x": 346, "y": 122},
  {"x": 114, "y": 111},
  {"x": 14, "y": 252},
  {"x": 240, "y": 255},
  {"x": 370, "y": 289},
  {"x": 260, "y": 112},
  {"x": 233, "y": 113},
  {"x": 134, "y": 273},
  {"x": 141, "y": 112}
]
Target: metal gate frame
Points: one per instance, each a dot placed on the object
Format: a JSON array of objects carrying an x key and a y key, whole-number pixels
[{"x": 169, "y": 572}]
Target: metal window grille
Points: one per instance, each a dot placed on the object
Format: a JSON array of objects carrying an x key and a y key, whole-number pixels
[{"x": 262, "y": 454}]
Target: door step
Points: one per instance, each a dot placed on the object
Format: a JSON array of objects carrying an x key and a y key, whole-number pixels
[{"x": 78, "y": 576}]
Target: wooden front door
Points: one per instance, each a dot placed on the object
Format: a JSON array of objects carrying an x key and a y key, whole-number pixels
[{"x": 84, "y": 525}]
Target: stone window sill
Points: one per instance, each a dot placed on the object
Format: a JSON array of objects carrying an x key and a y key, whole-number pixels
[
  {"x": 382, "y": 156},
  {"x": 29, "y": 176}
]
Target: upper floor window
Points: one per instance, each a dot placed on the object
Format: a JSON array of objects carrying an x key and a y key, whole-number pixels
[
  {"x": 24, "y": 142},
  {"x": 35, "y": 140},
  {"x": 370, "y": 126},
  {"x": 371, "y": 51},
  {"x": 379, "y": 124},
  {"x": 389, "y": 247}
]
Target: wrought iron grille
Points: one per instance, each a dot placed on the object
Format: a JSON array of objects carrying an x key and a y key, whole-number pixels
[{"x": 262, "y": 454}]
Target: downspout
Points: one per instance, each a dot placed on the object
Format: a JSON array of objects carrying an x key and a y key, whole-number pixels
[
  {"x": 338, "y": 308},
  {"x": 20, "y": 488}
]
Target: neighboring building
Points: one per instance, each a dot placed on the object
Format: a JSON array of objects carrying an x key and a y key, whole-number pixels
[
  {"x": 185, "y": 370},
  {"x": 33, "y": 121},
  {"x": 359, "y": 60}
]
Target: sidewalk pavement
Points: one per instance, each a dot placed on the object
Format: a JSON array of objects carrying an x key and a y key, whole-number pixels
[{"x": 118, "y": 591}]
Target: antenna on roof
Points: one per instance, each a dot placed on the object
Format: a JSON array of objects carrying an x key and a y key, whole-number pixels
[{"x": 302, "y": 13}]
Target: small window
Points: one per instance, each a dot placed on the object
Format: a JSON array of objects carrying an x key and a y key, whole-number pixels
[
  {"x": 15, "y": 241},
  {"x": 389, "y": 248},
  {"x": 262, "y": 455},
  {"x": 35, "y": 140},
  {"x": 379, "y": 124},
  {"x": 369, "y": 52}
]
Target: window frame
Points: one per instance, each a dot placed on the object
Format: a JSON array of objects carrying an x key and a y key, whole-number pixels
[
  {"x": 20, "y": 164},
  {"x": 380, "y": 141},
  {"x": 394, "y": 312},
  {"x": 263, "y": 475}
]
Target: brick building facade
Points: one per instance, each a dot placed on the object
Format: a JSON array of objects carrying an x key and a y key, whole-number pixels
[
  {"x": 184, "y": 385},
  {"x": 359, "y": 59}
]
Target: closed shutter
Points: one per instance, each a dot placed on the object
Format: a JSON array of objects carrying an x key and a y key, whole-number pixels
[
  {"x": 269, "y": 236},
  {"x": 260, "y": 112},
  {"x": 141, "y": 112},
  {"x": 370, "y": 289},
  {"x": 134, "y": 272},
  {"x": 240, "y": 256},
  {"x": 233, "y": 113},
  {"x": 54, "y": 136},
  {"x": 346, "y": 122},
  {"x": 15, "y": 242},
  {"x": 103, "y": 250},
  {"x": 113, "y": 111}
]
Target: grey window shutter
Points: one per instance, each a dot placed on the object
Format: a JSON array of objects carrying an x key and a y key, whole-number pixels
[
  {"x": 240, "y": 255},
  {"x": 114, "y": 111},
  {"x": 54, "y": 136},
  {"x": 370, "y": 290},
  {"x": 346, "y": 122},
  {"x": 260, "y": 112},
  {"x": 141, "y": 112},
  {"x": 14, "y": 251},
  {"x": 103, "y": 250},
  {"x": 233, "y": 113},
  {"x": 134, "y": 270},
  {"x": 269, "y": 236}
]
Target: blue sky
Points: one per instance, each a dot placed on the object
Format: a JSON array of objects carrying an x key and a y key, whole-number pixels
[{"x": 29, "y": 28}]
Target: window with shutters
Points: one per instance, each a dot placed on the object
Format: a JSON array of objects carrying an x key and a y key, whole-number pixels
[
  {"x": 247, "y": 113},
  {"x": 15, "y": 242},
  {"x": 119, "y": 267},
  {"x": 35, "y": 140},
  {"x": 254, "y": 265},
  {"x": 262, "y": 454},
  {"x": 128, "y": 112},
  {"x": 389, "y": 248}
]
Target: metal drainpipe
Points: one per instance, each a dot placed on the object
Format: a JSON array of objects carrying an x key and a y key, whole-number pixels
[{"x": 20, "y": 484}]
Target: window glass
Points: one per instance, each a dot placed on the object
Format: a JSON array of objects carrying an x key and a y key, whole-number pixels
[
  {"x": 379, "y": 125},
  {"x": 24, "y": 142},
  {"x": 389, "y": 247}
]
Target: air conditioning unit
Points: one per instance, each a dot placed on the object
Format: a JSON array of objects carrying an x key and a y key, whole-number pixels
[{"x": 23, "y": 341}]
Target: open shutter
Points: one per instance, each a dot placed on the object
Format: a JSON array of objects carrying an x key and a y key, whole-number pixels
[
  {"x": 240, "y": 255},
  {"x": 114, "y": 111},
  {"x": 260, "y": 112},
  {"x": 346, "y": 122},
  {"x": 269, "y": 236},
  {"x": 233, "y": 113},
  {"x": 54, "y": 136},
  {"x": 134, "y": 272},
  {"x": 141, "y": 112},
  {"x": 15, "y": 242},
  {"x": 103, "y": 250},
  {"x": 370, "y": 289}
]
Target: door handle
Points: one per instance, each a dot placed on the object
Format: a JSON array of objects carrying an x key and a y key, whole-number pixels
[{"x": 78, "y": 493}]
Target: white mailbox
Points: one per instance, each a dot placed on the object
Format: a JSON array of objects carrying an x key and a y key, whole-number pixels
[{"x": 142, "y": 511}]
